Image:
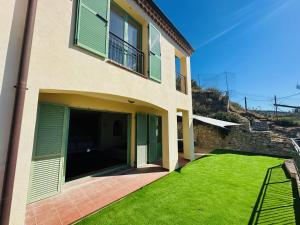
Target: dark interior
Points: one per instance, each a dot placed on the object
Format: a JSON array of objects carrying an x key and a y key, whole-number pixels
[{"x": 97, "y": 140}]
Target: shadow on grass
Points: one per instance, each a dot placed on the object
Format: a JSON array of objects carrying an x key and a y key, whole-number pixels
[
  {"x": 178, "y": 170},
  {"x": 277, "y": 202},
  {"x": 228, "y": 151}
]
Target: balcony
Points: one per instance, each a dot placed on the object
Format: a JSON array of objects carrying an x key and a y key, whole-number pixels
[
  {"x": 125, "y": 55},
  {"x": 181, "y": 83}
]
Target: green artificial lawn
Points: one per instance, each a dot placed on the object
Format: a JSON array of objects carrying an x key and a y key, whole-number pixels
[{"x": 222, "y": 188}]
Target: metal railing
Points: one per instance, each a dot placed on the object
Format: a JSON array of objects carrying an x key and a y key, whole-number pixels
[
  {"x": 125, "y": 54},
  {"x": 181, "y": 83},
  {"x": 296, "y": 143}
]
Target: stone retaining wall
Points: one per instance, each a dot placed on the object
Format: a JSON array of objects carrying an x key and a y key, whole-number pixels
[
  {"x": 241, "y": 138},
  {"x": 259, "y": 125}
]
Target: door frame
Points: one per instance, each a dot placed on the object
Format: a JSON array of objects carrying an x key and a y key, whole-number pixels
[{"x": 129, "y": 128}]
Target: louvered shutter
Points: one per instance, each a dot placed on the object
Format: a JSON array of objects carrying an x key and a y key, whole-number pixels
[
  {"x": 48, "y": 153},
  {"x": 155, "y": 146},
  {"x": 159, "y": 139},
  {"x": 153, "y": 133},
  {"x": 154, "y": 54},
  {"x": 92, "y": 26},
  {"x": 141, "y": 139}
]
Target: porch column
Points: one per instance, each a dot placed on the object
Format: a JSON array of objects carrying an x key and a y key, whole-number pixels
[
  {"x": 169, "y": 140},
  {"x": 188, "y": 135}
]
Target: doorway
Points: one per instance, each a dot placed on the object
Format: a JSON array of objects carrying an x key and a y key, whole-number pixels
[
  {"x": 96, "y": 141},
  {"x": 148, "y": 139}
]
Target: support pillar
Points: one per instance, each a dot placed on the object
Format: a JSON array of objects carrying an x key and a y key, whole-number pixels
[
  {"x": 169, "y": 139},
  {"x": 188, "y": 135}
]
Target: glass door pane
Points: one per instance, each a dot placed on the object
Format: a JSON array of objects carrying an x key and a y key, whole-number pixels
[
  {"x": 116, "y": 40},
  {"x": 134, "y": 39}
]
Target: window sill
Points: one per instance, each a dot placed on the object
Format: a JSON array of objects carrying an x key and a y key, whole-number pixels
[{"x": 182, "y": 92}]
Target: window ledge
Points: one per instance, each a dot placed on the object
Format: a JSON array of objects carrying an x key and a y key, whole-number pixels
[
  {"x": 182, "y": 92},
  {"x": 125, "y": 68}
]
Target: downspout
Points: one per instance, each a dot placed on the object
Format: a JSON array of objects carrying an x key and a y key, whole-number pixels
[{"x": 21, "y": 87}]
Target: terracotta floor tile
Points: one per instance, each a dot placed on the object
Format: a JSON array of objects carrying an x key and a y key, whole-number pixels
[
  {"x": 64, "y": 204},
  {"x": 65, "y": 211},
  {"x": 29, "y": 213},
  {"x": 51, "y": 221},
  {"x": 42, "y": 209},
  {"x": 46, "y": 215},
  {"x": 30, "y": 221},
  {"x": 76, "y": 202},
  {"x": 87, "y": 208},
  {"x": 70, "y": 218}
]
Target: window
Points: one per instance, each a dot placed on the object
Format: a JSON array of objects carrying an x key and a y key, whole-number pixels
[
  {"x": 177, "y": 65},
  {"x": 180, "y": 77},
  {"x": 125, "y": 40},
  {"x": 117, "y": 23}
]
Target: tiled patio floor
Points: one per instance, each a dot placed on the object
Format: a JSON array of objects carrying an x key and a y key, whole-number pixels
[{"x": 81, "y": 199}]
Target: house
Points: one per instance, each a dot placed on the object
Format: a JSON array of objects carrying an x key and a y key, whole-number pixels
[{"x": 95, "y": 86}]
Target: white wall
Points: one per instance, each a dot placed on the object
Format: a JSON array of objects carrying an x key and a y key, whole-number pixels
[{"x": 12, "y": 14}]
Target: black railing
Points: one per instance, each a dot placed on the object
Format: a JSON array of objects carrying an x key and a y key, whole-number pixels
[
  {"x": 181, "y": 83},
  {"x": 125, "y": 54},
  {"x": 296, "y": 143}
]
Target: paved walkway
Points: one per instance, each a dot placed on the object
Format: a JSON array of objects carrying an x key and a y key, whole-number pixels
[{"x": 83, "y": 197}]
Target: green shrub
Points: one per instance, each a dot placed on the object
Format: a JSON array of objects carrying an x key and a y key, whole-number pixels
[
  {"x": 286, "y": 123},
  {"x": 236, "y": 106},
  {"x": 229, "y": 117}
]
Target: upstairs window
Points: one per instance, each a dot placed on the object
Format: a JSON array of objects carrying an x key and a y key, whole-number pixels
[
  {"x": 180, "y": 74},
  {"x": 125, "y": 40},
  {"x": 105, "y": 29},
  {"x": 177, "y": 65}
]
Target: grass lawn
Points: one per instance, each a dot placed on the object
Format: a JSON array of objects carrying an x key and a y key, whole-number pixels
[{"x": 219, "y": 189}]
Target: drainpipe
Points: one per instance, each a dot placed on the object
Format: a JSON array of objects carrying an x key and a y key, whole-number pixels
[{"x": 21, "y": 87}]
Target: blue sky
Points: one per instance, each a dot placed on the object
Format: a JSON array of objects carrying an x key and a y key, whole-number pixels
[{"x": 256, "y": 41}]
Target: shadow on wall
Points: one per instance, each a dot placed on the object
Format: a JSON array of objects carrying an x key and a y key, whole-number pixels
[
  {"x": 277, "y": 202},
  {"x": 9, "y": 77}
]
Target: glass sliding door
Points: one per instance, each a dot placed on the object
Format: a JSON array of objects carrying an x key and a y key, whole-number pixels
[
  {"x": 117, "y": 29},
  {"x": 125, "y": 40},
  {"x": 134, "y": 39}
]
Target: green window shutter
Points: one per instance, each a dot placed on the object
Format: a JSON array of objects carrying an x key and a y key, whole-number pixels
[
  {"x": 155, "y": 146},
  {"x": 159, "y": 139},
  {"x": 154, "y": 54},
  {"x": 92, "y": 26},
  {"x": 153, "y": 132},
  {"x": 48, "y": 153},
  {"x": 141, "y": 139},
  {"x": 129, "y": 139}
]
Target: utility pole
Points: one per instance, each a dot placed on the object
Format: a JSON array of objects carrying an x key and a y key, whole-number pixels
[
  {"x": 227, "y": 90},
  {"x": 276, "y": 107},
  {"x": 246, "y": 106}
]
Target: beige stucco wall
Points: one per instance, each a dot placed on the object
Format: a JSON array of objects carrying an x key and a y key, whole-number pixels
[
  {"x": 62, "y": 73},
  {"x": 12, "y": 14}
]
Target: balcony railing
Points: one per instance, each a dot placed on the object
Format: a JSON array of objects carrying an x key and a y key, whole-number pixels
[
  {"x": 125, "y": 54},
  {"x": 181, "y": 83}
]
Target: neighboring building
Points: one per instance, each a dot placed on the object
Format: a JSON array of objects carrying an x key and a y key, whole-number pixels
[{"x": 103, "y": 91}]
